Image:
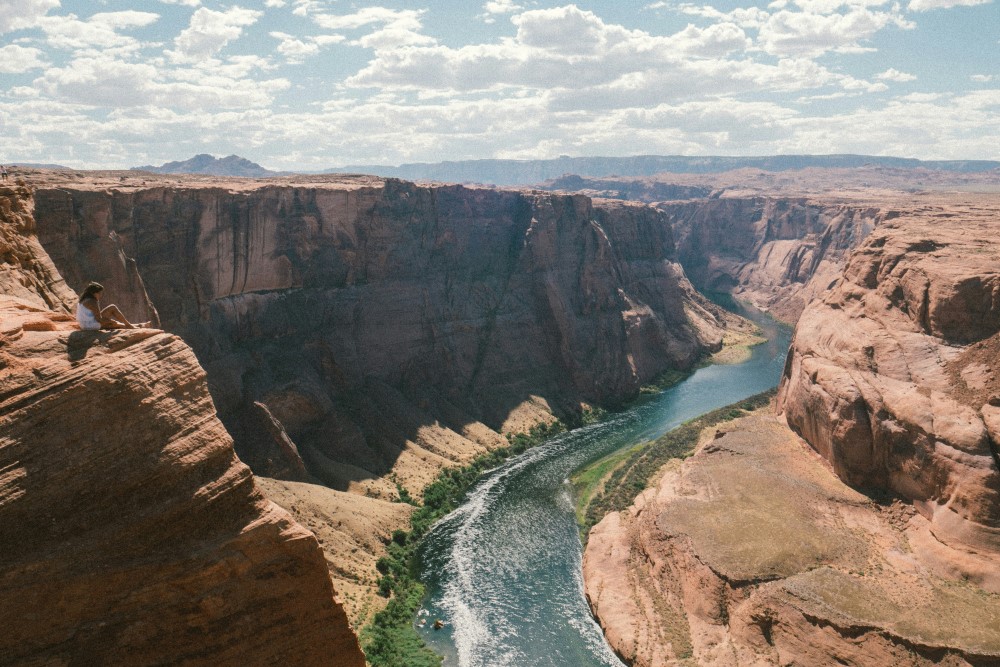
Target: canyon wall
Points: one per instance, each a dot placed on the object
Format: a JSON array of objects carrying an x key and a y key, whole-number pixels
[
  {"x": 861, "y": 524},
  {"x": 776, "y": 253},
  {"x": 892, "y": 375},
  {"x": 355, "y": 329},
  {"x": 753, "y": 553},
  {"x": 131, "y": 532}
]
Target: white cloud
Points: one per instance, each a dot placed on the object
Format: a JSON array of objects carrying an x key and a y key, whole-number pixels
[
  {"x": 396, "y": 28},
  {"x": 716, "y": 40},
  {"x": 927, "y": 5},
  {"x": 893, "y": 74},
  {"x": 210, "y": 31},
  {"x": 186, "y": 3},
  {"x": 16, "y": 59},
  {"x": 500, "y": 7},
  {"x": 100, "y": 31},
  {"x": 19, "y": 14},
  {"x": 566, "y": 81},
  {"x": 745, "y": 17},
  {"x": 810, "y": 34},
  {"x": 108, "y": 82},
  {"x": 297, "y": 50},
  {"x": 568, "y": 31}
]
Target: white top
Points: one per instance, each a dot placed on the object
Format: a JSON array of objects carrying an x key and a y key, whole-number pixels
[{"x": 86, "y": 318}]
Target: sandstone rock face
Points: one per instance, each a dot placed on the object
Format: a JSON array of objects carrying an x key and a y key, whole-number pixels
[
  {"x": 753, "y": 552},
  {"x": 131, "y": 533},
  {"x": 777, "y": 253},
  {"x": 892, "y": 375},
  {"x": 387, "y": 328}
]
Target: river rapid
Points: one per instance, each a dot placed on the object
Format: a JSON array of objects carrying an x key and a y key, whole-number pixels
[{"x": 503, "y": 571}]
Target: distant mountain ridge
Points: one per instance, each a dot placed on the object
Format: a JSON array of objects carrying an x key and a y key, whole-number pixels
[
  {"x": 203, "y": 163},
  {"x": 523, "y": 172},
  {"x": 529, "y": 172}
]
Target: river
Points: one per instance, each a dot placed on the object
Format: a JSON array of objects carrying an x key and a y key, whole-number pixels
[{"x": 504, "y": 569}]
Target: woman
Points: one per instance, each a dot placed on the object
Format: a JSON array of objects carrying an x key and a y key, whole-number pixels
[{"x": 91, "y": 316}]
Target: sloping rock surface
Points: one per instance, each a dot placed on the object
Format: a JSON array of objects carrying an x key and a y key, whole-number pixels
[
  {"x": 131, "y": 533},
  {"x": 892, "y": 375},
  {"x": 753, "y": 552},
  {"x": 386, "y": 328}
]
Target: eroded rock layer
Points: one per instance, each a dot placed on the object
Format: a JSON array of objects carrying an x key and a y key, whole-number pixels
[
  {"x": 892, "y": 375},
  {"x": 358, "y": 328},
  {"x": 131, "y": 533},
  {"x": 753, "y": 552},
  {"x": 776, "y": 253},
  {"x": 873, "y": 538}
]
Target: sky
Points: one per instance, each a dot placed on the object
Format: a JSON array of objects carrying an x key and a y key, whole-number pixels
[{"x": 314, "y": 84}]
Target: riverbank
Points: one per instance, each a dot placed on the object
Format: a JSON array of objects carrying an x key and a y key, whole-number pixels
[
  {"x": 611, "y": 484},
  {"x": 390, "y": 639},
  {"x": 503, "y": 570}
]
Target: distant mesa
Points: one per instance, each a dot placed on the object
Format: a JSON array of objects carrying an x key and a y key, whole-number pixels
[
  {"x": 529, "y": 172},
  {"x": 233, "y": 165}
]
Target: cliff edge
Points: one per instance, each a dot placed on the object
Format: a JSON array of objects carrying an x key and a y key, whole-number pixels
[
  {"x": 132, "y": 534},
  {"x": 872, "y": 538},
  {"x": 892, "y": 375},
  {"x": 358, "y": 329}
]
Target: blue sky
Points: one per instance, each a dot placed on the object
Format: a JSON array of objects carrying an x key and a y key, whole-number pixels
[{"x": 310, "y": 84}]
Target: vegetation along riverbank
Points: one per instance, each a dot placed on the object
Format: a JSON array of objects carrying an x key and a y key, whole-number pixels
[{"x": 610, "y": 484}]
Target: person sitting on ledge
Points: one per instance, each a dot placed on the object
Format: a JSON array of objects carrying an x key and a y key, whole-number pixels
[{"x": 92, "y": 317}]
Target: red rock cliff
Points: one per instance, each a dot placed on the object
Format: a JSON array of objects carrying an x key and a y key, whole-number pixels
[
  {"x": 873, "y": 538},
  {"x": 777, "y": 253},
  {"x": 131, "y": 533},
  {"x": 892, "y": 375},
  {"x": 385, "y": 327}
]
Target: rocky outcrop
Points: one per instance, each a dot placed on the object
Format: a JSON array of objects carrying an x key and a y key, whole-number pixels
[
  {"x": 753, "y": 552},
  {"x": 132, "y": 534},
  {"x": 382, "y": 328},
  {"x": 873, "y": 538},
  {"x": 891, "y": 376},
  {"x": 776, "y": 253}
]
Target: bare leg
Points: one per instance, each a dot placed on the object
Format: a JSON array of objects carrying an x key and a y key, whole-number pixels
[{"x": 113, "y": 318}]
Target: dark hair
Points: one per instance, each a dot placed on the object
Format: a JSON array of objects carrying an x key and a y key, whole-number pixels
[{"x": 91, "y": 290}]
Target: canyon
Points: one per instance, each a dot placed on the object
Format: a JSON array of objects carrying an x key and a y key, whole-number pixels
[
  {"x": 855, "y": 523},
  {"x": 326, "y": 345},
  {"x": 354, "y": 336}
]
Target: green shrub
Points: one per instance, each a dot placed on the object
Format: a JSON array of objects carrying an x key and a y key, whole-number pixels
[{"x": 390, "y": 640}]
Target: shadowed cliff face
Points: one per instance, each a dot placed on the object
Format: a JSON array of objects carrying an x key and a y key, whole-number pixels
[
  {"x": 778, "y": 254},
  {"x": 131, "y": 533},
  {"x": 389, "y": 327}
]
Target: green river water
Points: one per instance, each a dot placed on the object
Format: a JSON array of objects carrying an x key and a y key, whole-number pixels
[{"x": 504, "y": 569}]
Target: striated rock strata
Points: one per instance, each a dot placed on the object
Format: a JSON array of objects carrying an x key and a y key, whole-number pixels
[
  {"x": 358, "y": 329},
  {"x": 753, "y": 552},
  {"x": 873, "y": 538},
  {"x": 892, "y": 376},
  {"x": 131, "y": 533},
  {"x": 776, "y": 253}
]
